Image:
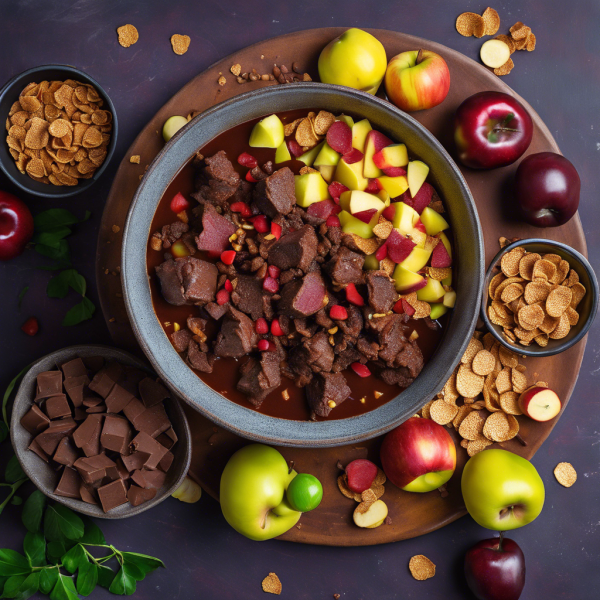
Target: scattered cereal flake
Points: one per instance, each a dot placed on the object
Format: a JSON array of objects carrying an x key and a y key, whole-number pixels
[
  {"x": 537, "y": 291},
  {"x": 128, "y": 35},
  {"x": 531, "y": 317},
  {"x": 323, "y": 122},
  {"x": 236, "y": 69},
  {"x": 483, "y": 363},
  {"x": 221, "y": 81},
  {"x": 305, "y": 135},
  {"x": 559, "y": 299},
  {"x": 491, "y": 21},
  {"x": 497, "y": 427},
  {"x": 421, "y": 568},
  {"x": 442, "y": 412},
  {"x": 472, "y": 349},
  {"x": 562, "y": 329},
  {"x": 476, "y": 446},
  {"x": 565, "y": 474},
  {"x": 530, "y": 47},
  {"x": 346, "y": 491},
  {"x": 544, "y": 269},
  {"x": 509, "y": 403},
  {"x": 579, "y": 292},
  {"x": 180, "y": 43},
  {"x": 271, "y": 584},
  {"x": 505, "y": 69},
  {"x": 472, "y": 426},
  {"x": 469, "y": 23},
  {"x": 135, "y": 159},
  {"x": 519, "y": 31},
  {"x": 468, "y": 384},
  {"x": 508, "y": 41}
]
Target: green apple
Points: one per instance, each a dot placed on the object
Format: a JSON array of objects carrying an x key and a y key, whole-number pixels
[
  {"x": 267, "y": 133},
  {"x": 282, "y": 154},
  {"x": 351, "y": 175},
  {"x": 416, "y": 173},
  {"x": 448, "y": 281},
  {"x": 172, "y": 126},
  {"x": 310, "y": 188},
  {"x": 310, "y": 155},
  {"x": 355, "y": 201},
  {"x": 327, "y": 172},
  {"x": 417, "y": 259},
  {"x": 405, "y": 218},
  {"x": 253, "y": 493},
  {"x": 406, "y": 281},
  {"x": 355, "y": 59},
  {"x": 351, "y": 224},
  {"x": 346, "y": 119},
  {"x": 434, "y": 222},
  {"x": 304, "y": 493},
  {"x": 502, "y": 490},
  {"x": 437, "y": 310},
  {"x": 371, "y": 263},
  {"x": 449, "y": 298},
  {"x": 327, "y": 156},
  {"x": 359, "y": 134},
  {"x": 432, "y": 292},
  {"x": 394, "y": 186}
]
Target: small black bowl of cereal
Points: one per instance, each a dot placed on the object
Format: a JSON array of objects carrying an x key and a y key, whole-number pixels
[
  {"x": 61, "y": 131},
  {"x": 540, "y": 297}
]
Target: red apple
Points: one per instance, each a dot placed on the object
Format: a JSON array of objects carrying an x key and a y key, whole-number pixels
[
  {"x": 361, "y": 474},
  {"x": 417, "y": 79},
  {"x": 547, "y": 189},
  {"x": 16, "y": 226},
  {"x": 495, "y": 569},
  {"x": 418, "y": 456},
  {"x": 491, "y": 129},
  {"x": 539, "y": 403}
]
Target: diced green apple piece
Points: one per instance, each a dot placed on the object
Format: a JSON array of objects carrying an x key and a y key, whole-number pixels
[
  {"x": 405, "y": 218},
  {"x": 416, "y": 174},
  {"x": 416, "y": 260},
  {"x": 282, "y": 154},
  {"x": 434, "y": 222},
  {"x": 405, "y": 279},
  {"x": 437, "y": 310},
  {"x": 394, "y": 186},
  {"x": 267, "y": 133},
  {"x": 351, "y": 175},
  {"x": 172, "y": 126},
  {"x": 351, "y": 224},
  {"x": 308, "y": 158},
  {"x": 432, "y": 292},
  {"x": 310, "y": 188},
  {"x": 450, "y": 299},
  {"x": 346, "y": 119},
  {"x": 327, "y": 172},
  {"x": 448, "y": 281},
  {"x": 359, "y": 134},
  {"x": 327, "y": 157},
  {"x": 371, "y": 263}
]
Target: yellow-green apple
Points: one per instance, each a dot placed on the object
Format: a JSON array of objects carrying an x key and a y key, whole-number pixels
[
  {"x": 327, "y": 156},
  {"x": 355, "y": 59},
  {"x": 253, "y": 493},
  {"x": 310, "y": 187},
  {"x": 539, "y": 403},
  {"x": 351, "y": 224},
  {"x": 360, "y": 130},
  {"x": 491, "y": 129},
  {"x": 327, "y": 172},
  {"x": 394, "y": 186},
  {"x": 406, "y": 281},
  {"x": 416, "y": 260},
  {"x": 417, "y": 79},
  {"x": 346, "y": 119},
  {"x": 416, "y": 174},
  {"x": 355, "y": 201},
  {"x": 433, "y": 221},
  {"x": 418, "y": 456},
  {"x": 267, "y": 133},
  {"x": 395, "y": 155},
  {"x": 351, "y": 175},
  {"x": 172, "y": 126},
  {"x": 282, "y": 154},
  {"x": 432, "y": 292},
  {"x": 502, "y": 490},
  {"x": 449, "y": 298},
  {"x": 310, "y": 155},
  {"x": 404, "y": 217},
  {"x": 374, "y": 143},
  {"x": 437, "y": 311}
]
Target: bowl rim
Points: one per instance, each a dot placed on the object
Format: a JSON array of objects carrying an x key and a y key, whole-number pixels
[
  {"x": 238, "y": 419},
  {"x": 21, "y": 395},
  {"x": 80, "y": 187},
  {"x": 561, "y": 346}
]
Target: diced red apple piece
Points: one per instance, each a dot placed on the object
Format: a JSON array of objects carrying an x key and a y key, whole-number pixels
[
  {"x": 399, "y": 247},
  {"x": 323, "y": 209},
  {"x": 373, "y": 187},
  {"x": 417, "y": 172},
  {"x": 394, "y": 172},
  {"x": 421, "y": 200},
  {"x": 540, "y": 403},
  {"x": 339, "y": 137},
  {"x": 442, "y": 236},
  {"x": 394, "y": 155},
  {"x": 440, "y": 259},
  {"x": 375, "y": 142},
  {"x": 353, "y": 156},
  {"x": 365, "y": 215},
  {"x": 361, "y": 474}
]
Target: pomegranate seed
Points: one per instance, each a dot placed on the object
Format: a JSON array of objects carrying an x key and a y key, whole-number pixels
[
  {"x": 247, "y": 160},
  {"x": 339, "y": 313},
  {"x": 271, "y": 285},
  {"x": 179, "y": 203},
  {"x": 398, "y": 307},
  {"x": 381, "y": 252},
  {"x": 228, "y": 286},
  {"x": 295, "y": 148},
  {"x": 250, "y": 178},
  {"x": 274, "y": 271},
  {"x": 261, "y": 326},
  {"x": 261, "y": 224},
  {"x": 276, "y": 230},
  {"x": 242, "y": 208},
  {"x": 353, "y": 296},
  {"x": 228, "y": 257},
  {"x": 360, "y": 370},
  {"x": 276, "y": 328},
  {"x": 263, "y": 345},
  {"x": 222, "y": 296},
  {"x": 333, "y": 221},
  {"x": 31, "y": 326}
]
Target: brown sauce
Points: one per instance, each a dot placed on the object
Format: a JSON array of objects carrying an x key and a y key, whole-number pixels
[{"x": 224, "y": 377}]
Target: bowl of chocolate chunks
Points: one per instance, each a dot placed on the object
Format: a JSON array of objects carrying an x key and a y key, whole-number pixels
[{"x": 95, "y": 430}]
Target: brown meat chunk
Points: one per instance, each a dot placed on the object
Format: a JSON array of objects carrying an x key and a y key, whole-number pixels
[
  {"x": 276, "y": 194},
  {"x": 345, "y": 267},
  {"x": 199, "y": 360},
  {"x": 315, "y": 352},
  {"x": 382, "y": 292},
  {"x": 237, "y": 336},
  {"x": 295, "y": 250},
  {"x": 180, "y": 339},
  {"x": 325, "y": 392},
  {"x": 171, "y": 233},
  {"x": 260, "y": 378},
  {"x": 187, "y": 280},
  {"x": 216, "y": 231},
  {"x": 219, "y": 167},
  {"x": 248, "y": 296},
  {"x": 303, "y": 297}
]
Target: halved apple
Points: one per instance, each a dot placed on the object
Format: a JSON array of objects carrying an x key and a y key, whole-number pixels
[
  {"x": 416, "y": 260},
  {"x": 417, "y": 172},
  {"x": 308, "y": 158},
  {"x": 310, "y": 188},
  {"x": 539, "y": 403},
  {"x": 405, "y": 218},
  {"x": 327, "y": 172},
  {"x": 375, "y": 142},
  {"x": 267, "y": 133},
  {"x": 351, "y": 175},
  {"x": 351, "y": 224},
  {"x": 395, "y": 155},
  {"x": 437, "y": 310},
  {"x": 433, "y": 221},
  {"x": 394, "y": 186},
  {"x": 327, "y": 156},
  {"x": 450, "y": 298},
  {"x": 407, "y": 281},
  {"x": 359, "y": 134},
  {"x": 431, "y": 292},
  {"x": 282, "y": 154}
]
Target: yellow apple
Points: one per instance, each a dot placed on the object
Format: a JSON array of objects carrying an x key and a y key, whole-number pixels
[
  {"x": 359, "y": 134},
  {"x": 327, "y": 156},
  {"x": 267, "y": 133},
  {"x": 416, "y": 173},
  {"x": 416, "y": 260},
  {"x": 394, "y": 186},
  {"x": 356, "y": 201},
  {"x": 351, "y": 175},
  {"x": 432, "y": 292},
  {"x": 450, "y": 299},
  {"x": 327, "y": 172},
  {"x": 282, "y": 154},
  {"x": 346, "y": 119},
  {"x": 433, "y": 221},
  {"x": 310, "y": 155},
  {"x": 310, "y": 188},
  {"x": 405, "y": 218}
]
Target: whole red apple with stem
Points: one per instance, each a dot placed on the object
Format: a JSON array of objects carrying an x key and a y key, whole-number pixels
[
  {"x": 547, "y": 188},
  {"x": 417, "y": 79},
  {"x": 16, "y": 226},
  {"x": 495, "y": 569},
  {"x": 491, "y": 129}
]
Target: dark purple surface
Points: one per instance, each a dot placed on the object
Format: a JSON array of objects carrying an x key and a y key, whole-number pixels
[{"x": 205, "y": 558}]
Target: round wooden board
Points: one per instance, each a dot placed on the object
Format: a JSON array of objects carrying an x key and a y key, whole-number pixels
[{"x": 412, "y": 514}]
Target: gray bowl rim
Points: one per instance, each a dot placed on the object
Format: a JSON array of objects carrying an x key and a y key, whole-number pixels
[
  {"x": 243, "y": 421},
  {"x": 84, "y": 184},
  {"x": 126, "y": 510},
  {"x": 541, "y": 352}
]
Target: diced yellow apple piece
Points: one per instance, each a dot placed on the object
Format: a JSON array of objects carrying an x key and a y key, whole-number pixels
[
  {"x": 351, "y": 175},
  {"x": 405, "y": 218},
  {"x": 394, "y": 186},
  {"x": 310, "y": 188},
  {"x": 395, "y": 155},
  {"x": 282, "y": 154},
  {"x": 433, "y": 221},
  {"x": 359, "y": 134},
  {"x": 327, "y": 172},
  {"x": 359, "y": 201},
  {"x": 371, "y": 170},
  {"x": 450, "y": 299},
  {"x": 418, "y": 237},
  {"x": 351, "y": 224},
  {"x": 494, "y": 53},
  {"x": 448, "y": 281},
  {"x": 416, "y": 173},
  {"x": 384, "y": 197},
  {"x": 267, "y": 133},
  {"x": 437, "y": 310},
  {"x": 432, "y": 292},
  {"x": 446, "y": 243},
  {"x": 371, "y": 263},
  {"x": 416, "y": 260},
  {"x": 327, "y": 156},
  {"x": 373, "y": 517},
  {"x": 308, "y": 158},
  {"x": 346, "y": 119},
  {"x": 405, "y": 279}
]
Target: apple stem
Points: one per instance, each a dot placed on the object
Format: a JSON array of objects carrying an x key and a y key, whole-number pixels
[
  {"x": 419, "y": 57},
  {"x": 501, "y": 540},
  {"x": 291, "y": 467},
  {"x": 520, "y": 440}
]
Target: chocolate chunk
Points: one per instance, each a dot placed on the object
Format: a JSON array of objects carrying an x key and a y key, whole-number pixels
[
  {"x": 74, "y": 368},
  {"x": 115, "y": 370},
  {"x": 134, "y": 461},
  {"x": 34, "y": 420},
  {"x": 69, "y": 484},
  {"x": 100, "y": 408},
  {"x": 87, "y": 435},
  {"x": 79, "y": 413},
  {"x": 153, "y": 421},
  {"x": 132, "y": 380},
  {"x": 65, "y": 454},
  {"x": 304, "y": 297},
  {"x": 168, "y": 439},
  {"x": 102, "y": 383},
  {"x": 276, "y": 194},
  {"x": 118, "y": 399},
  {"x": 112, "y": 495},
  {"x": 295, "y": 250},
  {"x": 49, "y": 438},
  {"x": 75, "y": 387},
  {"x": 90, "y": 472},
  {"x": 91, "y": 399},
  {"x": 152, "y": 392},
  {"x": 37, "y": 449},
  {"x": 116, "y": 434},
  {"x": 137, "y": 495},
  {"x": 154, "y": 479},
  {"x": 134, "y": 409},
  {"x": 49, "y": 383},
  {"x": 93, "y": 363},
  {"x": 166, "y": 461},
  {"x": 122, "y": 470},
  {"x": 57, "y": 407},
  {"x": 142, "y": 442},
  {"x": 88, "y": 493},
  {"x": 237, "y": 336},
  {"x": 138, "y": 478}
]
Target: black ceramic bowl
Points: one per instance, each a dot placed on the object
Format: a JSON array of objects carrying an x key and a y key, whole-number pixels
[
  {"x": 10, "y": 93},
  {"x": 46, "y": 479},
  {"x": 462, "y": 214},
  {"x": 587, "y": 308}
]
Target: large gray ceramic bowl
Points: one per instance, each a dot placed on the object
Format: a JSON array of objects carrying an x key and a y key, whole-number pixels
[{"x": 468, "y": 250}]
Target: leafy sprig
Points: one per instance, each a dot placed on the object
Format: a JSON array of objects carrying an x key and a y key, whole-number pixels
[{"x": 58, "y": 287}]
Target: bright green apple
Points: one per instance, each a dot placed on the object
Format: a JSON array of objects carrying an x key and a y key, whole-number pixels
[
  {"x": 253, "y": 493},
  {"x": 437, "y": 310},
  {"x": 433, "y": 221},
  {"x": 310, "y": 188},
  {"x": 282, "y": 154},
  {"x": 308, "y": 158},
  {"x": 267, "y": 133},
  {"x": 416, "y": 173},
  {"x": 432, "y": 292},
  {"x": 351, "y": 175},
  {"x": 502, "y": 490},
  {"x": 351, "y": 224},
  {"x": 327, "y": 156},
  {"x": 172, "y": 126},
  {"x": 359, "y": 134},
  {"x": 305, "y": 492}
]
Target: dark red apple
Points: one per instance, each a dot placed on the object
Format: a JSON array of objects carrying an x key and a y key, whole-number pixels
[
  {"x": 495, "y": 569},
  {"x": 547, "y": 189},
  {"x": 16, "y": 226},
  {"x": 491, "y": 129},
  {"x": 361, "y": 474}
]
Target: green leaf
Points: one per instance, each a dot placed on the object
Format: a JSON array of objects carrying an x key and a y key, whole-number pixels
[
  {"x": 105, "y": 576},
  {"x": 64, "y": 589},
  {"x": 33, "y": 511},
  {"x": 21, "y": 296},
  {"x": 59, "y": 252},
  {"x": 123, "y": 584},
  {"x": 74, "y": 558},
  {"x": 87, "y": 578},
  {"x": 58, "y": 286},
  {"x": 13, "y": 563},
  {"x": 61, "y": 521},
  {"x": 145, "y": 563},
  {"x": 86, "y": 216},
  {"x": 93, "y": 534},
  {"x": 53, "y": 218},
  {"x": 3, "y": 431},
  {"x": 56, "y": 549},
  {"x": 16, "y": 501},
  {"x": 8, "y": 392},
  {"x": 52, "y": 237},
  {"x": 80, "y": 312},
  {"x": 48, "y": 579},
  {"x": 34, "y": 546},
  {"x": 14, "y": 471},
  {"x": 21, "y": 587}
]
